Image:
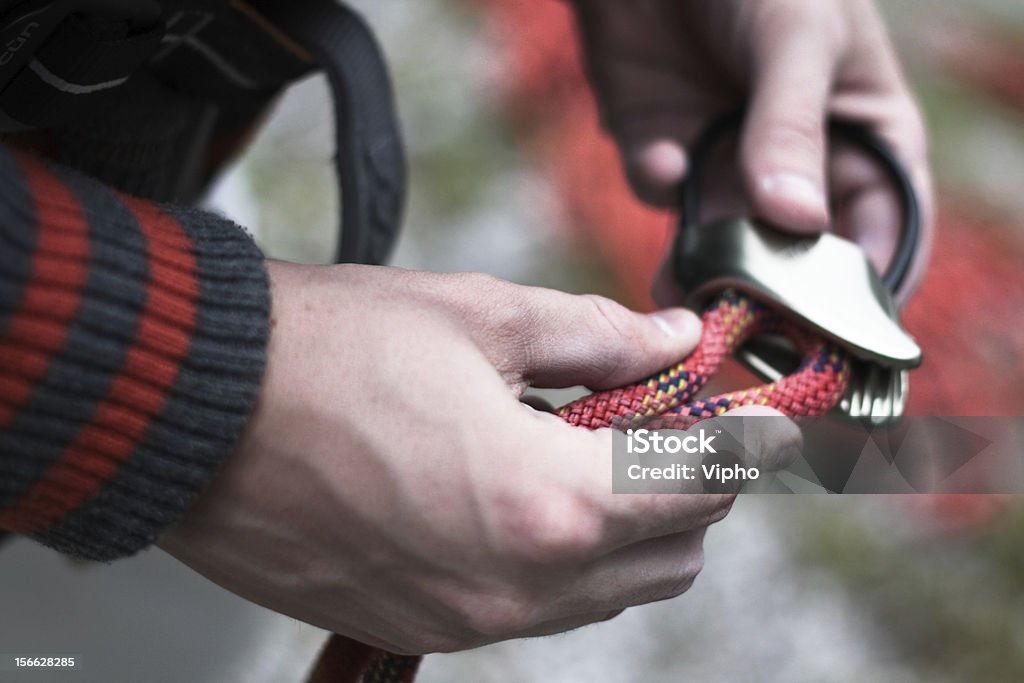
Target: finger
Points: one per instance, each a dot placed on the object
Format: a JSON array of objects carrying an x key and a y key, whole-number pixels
[
  {"x": 581, "y": 517},
  {"x": 872, "y": 89},
  {"x": 655, "y": 164},
  {"x": 550, "y": 339},
  {"x": 569, "y": 340},
  {"x": 654, "y": 89},
  {"x": 563, "y": 511},
  {"x": 867, "y": 206},
  {"x": 770, "y": 440},
  {"x": 651, "y": 112},
  {"x": 920, "y": 176},
  {"x": 783, "y": 143},
  {"x": 762, "y": 438},
  {"x": 869, "y": 211},
  {"x": 864, "y": 201}
]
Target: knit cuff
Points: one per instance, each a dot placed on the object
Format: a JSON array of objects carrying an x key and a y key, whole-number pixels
[{"x": 132, "y": 346}]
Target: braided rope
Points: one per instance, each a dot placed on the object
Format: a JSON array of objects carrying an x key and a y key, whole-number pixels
[{"x": 813, "y": 389}]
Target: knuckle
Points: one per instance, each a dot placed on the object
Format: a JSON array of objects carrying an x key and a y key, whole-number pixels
[
  {"x": 488, "y": 617},
  {"x": 424, "y": 643},
  {"x": 475, "y": 281},
  {"x": 801, "y": 133},
  {"x": 470, "y": 290},
  {"x": 614, "y": 317},
  {"x": 682, "y": 577},
  {"x": 421, "y": 637},
  {"x": 716, "y": 516},
  {"x": 716, "y": 507},
  {"x": 615, "y": 323},
  {"x": 690, "y": 568},
  {"x": 547, "y": 528},
  {"x": 504, "y": 309},
  {"x": 682, "y": 584},
  {"x": 497, "y": 313},
  {"x": 611, "y": 615}
]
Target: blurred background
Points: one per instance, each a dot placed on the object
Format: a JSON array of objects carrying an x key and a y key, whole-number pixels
[{"x": 511, "y": 176}]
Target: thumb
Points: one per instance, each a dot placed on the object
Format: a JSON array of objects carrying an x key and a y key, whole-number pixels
[
  {"x": 783, "y": 145},
  {"x": 596, "y": 342}
]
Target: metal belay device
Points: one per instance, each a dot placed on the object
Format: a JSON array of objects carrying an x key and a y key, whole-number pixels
[{"x": 824, "y": 283}]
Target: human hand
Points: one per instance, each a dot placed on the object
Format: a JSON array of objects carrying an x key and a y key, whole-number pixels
[
  {"x": 392, "y": 488},
  {"x": 663, "y": 69}
]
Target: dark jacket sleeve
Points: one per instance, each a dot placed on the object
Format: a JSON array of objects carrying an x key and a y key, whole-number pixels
[{"x": 132, "y": 346}]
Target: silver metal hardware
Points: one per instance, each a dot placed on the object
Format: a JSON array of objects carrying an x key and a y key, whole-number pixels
[{"x": 826, "y": 283}]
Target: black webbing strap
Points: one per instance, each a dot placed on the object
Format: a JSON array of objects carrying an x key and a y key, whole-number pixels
[
  {"x": 369, "y": 155},
  {"x": 59, "y": 58}
]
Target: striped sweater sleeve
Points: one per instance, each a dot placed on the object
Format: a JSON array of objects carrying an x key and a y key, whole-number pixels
[{"x": 132, "y": 346}]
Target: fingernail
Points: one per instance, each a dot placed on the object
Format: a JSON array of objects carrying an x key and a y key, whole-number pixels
[
  {"x": 796, "y": 188},
  {"x": 675, "y": 322}
]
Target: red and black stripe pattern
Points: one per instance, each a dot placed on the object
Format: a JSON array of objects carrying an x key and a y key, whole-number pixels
[{"x": 132, "y": 342}]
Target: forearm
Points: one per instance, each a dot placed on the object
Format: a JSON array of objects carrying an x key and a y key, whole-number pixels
[{"x": 132, "y": 342}]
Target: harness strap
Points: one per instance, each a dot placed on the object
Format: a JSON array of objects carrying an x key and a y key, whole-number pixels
[{"x": 369, "y": 155}]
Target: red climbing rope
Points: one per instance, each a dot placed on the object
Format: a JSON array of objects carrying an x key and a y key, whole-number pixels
[{"x": 812, "y": 389}]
